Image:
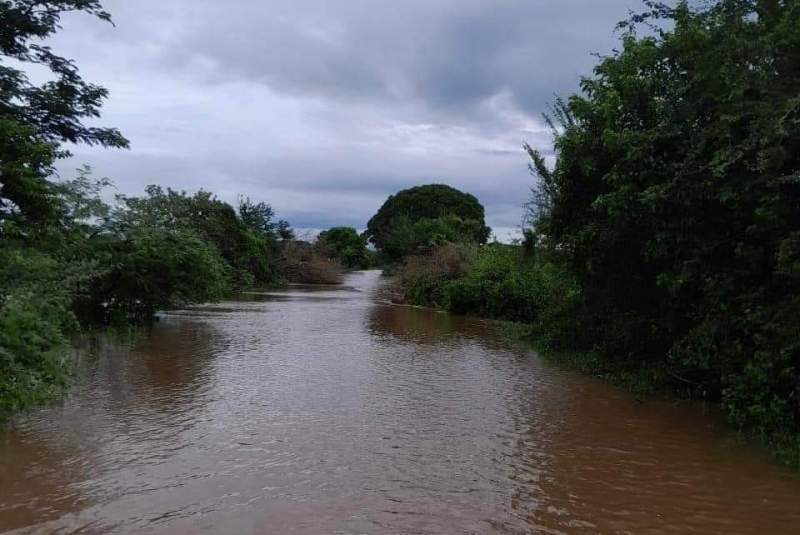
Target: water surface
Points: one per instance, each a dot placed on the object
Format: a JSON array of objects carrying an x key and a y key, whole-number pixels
[{"x": 323, "y": 410}]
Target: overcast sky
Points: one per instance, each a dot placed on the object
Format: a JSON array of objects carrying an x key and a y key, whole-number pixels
[{"x": 323, "y": 108}]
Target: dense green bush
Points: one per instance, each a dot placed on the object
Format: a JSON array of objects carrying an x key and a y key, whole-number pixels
[
  {"x": 39, "y": 269},
  {"x": 424, "y": 277},
  {"x": 248, "y": 240},
  {"x": 155, "y": 269},
  {"x": 497, "y": 281},
  {"x": 34, "y": 350},
  {"x": 346, "y": 246},
  {"x": 497, "y": 284},
  {"x": 407, "y": 237},
  {"x": 675, "y": 203},
  {"x": 36, "y": 321},
  {"x": 425, "y": 216},
  {"x": 502, "y": 283}
]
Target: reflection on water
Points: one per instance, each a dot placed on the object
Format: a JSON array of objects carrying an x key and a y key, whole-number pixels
[{"x": 322, "y": 410}]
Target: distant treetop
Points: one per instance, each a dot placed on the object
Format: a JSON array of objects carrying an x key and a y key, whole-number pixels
[{"x": 461, "y": 212}]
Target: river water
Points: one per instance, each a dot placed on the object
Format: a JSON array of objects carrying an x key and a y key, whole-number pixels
[{"x": 324, "y": 410}]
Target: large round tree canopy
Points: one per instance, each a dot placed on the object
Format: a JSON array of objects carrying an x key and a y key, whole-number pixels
[{"x": 455, "y": 215}]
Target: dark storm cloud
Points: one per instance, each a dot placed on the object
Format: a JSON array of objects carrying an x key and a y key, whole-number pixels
[
  {"x": 442, "y": 54},
  {"x": 324, "y": 108}
]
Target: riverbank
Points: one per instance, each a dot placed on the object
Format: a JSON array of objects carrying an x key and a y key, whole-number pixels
[{"x": 543, "y": 306}]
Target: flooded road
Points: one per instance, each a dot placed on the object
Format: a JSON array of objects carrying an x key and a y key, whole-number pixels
[{"x": 317, "y": 411}]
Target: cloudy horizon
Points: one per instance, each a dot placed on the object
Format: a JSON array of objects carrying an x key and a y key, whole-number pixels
[{"x": 323, "y": 111}]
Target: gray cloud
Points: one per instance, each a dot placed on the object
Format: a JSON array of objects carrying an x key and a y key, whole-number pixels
[
  {"x": 324, "y": 108},
  {"x": 444, "y": 53}
]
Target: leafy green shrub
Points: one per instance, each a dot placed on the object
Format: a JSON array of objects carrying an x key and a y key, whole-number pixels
[
  {"x": 407, "y": 237},
  {"x": 497, "y": 284},
  {"x": 36, "y": 322},
  {"x": 502, "y": 283},
  {"x": 426, "y": 216},
  {"x": 559, "y": 299},
  {"x": 34, "y": 350},
  {"x": 346, "y": 246},
  {"x": 423, "y": 277},
  {"x": 154, "y": 269},
  {"x": 248, "y": 240}
]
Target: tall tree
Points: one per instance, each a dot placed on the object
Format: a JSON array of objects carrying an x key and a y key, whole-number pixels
[
  {"x": 35, "y": 120},
  {"x": 417, "y": 215}
]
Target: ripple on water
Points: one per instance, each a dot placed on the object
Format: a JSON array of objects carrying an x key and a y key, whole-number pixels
[{"x": 322, "y": 410}]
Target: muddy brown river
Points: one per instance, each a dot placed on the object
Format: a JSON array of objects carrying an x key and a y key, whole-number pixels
[{"x": 326, "y": 411}]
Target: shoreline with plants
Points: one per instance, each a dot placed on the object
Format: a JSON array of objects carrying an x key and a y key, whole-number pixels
[
  {"x": 96, "y": 266},
  {"x": 490, "y": 282},
  {"x": 663, "y": 236}
]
